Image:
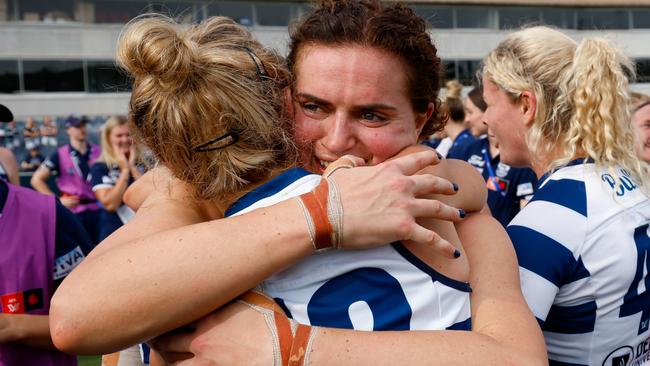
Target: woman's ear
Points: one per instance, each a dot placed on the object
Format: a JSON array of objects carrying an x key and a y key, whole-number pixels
[
  {"x": 528, "y": 102},
  {"x": 422, "y": 118}
]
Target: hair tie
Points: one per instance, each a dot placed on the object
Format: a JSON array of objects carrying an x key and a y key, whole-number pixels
[{"x": 217, "y": 143}]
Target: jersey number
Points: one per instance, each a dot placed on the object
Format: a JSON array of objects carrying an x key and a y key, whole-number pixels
[
  {"x": 633, "y": 302},
  {"x": 373, "y": 289}
]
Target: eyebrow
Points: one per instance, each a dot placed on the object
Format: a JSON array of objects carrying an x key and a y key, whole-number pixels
[{"x": 364, "y": 107}]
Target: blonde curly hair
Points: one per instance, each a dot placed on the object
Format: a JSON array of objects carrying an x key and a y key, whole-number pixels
[
  {"x": 582, "y": 97},
  {"x": 194, "y": 84}
]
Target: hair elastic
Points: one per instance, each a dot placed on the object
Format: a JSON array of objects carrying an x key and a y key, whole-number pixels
[{"x": 220, "y": 142}]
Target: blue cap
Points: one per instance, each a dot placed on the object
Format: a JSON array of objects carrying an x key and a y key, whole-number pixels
[{"x": 75, "y": 121}]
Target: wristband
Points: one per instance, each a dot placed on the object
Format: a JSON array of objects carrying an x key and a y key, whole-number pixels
[
  {"x": 324, "y": 215},
  {"x": 291, "y": 341}
]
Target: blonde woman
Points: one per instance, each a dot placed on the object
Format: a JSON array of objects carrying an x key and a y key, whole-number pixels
[
  {"x": 562, "y": 108},
  {"x": 110, "y": 176}
]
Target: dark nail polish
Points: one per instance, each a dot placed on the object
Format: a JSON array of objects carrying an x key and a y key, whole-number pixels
[
  {"x": 462, "y": 213},
  {"x": 439, "y": 156},
  {"x": 456, "y": 253},
  {"x": 455, "y": 187}
]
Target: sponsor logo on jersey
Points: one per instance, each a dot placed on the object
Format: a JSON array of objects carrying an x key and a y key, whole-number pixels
[
  {"x": 67, "y": 262},
  {"x": 22, "y": 302},
  {"x": 502, "y": 170},
  {"x": 525, "y": 189},
  {"x": 629, "y": 356},
  {"x": 476, "y": 161},
  {"x": 497, "y": 184}
]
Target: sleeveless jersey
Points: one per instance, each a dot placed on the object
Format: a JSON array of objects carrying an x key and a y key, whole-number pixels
[
  {"x": 385, "y": 288},
  {"x": 582, "y": 245},
  {"x": 26, "y": 278}
]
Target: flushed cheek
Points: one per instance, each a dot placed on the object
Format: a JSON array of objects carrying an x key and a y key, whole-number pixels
[
  {"x": 383, "y": 148},
  {"x": 307, "y": 132}
]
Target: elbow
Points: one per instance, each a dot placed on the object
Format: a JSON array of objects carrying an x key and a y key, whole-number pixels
[
  {"x": 70, "y": 333},
  {"x": 34, "y": 181},
  {"x": 67, "y": 333}
]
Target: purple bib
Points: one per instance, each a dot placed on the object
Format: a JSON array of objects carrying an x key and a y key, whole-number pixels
[
  {"x": 71, "y": 181},
  {"x": 26, "y": 263}
]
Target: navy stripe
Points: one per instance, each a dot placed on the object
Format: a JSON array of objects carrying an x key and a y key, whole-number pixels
[
  {"x": 542, "y": 255},
  {"x": 267, "y": 189},
  {"x": 568, "y": 193},
  {"x": 436, "y": 276},
  {"x": 560, "y": 363},
  {"x": 578, "y": 319},
  {"x": 464, "y": 325},
  {"x": 578, "y": 272}
]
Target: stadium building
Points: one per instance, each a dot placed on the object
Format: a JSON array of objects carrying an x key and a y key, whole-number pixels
[{"x": 58, "y": 56}]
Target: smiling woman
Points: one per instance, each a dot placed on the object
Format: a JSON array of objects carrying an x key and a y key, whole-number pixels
[{"x": 347, "y": 105}]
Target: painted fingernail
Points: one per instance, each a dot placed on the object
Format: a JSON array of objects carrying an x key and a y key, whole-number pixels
[
  {"x": 439, "y": 155},
  {"x": 455, "y": 187},
  {"x": 456, "y": 253},
  {"x": 461, "y": 212}
]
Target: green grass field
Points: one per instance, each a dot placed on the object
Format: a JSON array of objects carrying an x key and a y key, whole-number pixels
[{"x": 89, "y": 360}]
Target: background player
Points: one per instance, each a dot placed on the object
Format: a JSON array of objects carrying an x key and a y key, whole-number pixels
[{"x": 582, "y": 242}]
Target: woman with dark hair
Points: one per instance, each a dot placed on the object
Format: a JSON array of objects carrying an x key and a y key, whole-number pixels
[{"x": 342, "y": 106}]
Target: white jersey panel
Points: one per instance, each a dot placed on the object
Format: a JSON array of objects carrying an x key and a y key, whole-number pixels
[
  {"x": 385, "y": 288},
  {"x": 588, "y": 237}
]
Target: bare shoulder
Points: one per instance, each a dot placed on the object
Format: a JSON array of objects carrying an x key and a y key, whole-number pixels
[
  {"x": 472, "y": 194},
  {"x": 166, "y": 206}
]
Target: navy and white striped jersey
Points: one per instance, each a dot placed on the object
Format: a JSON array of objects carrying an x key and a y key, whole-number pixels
[
  {"x": 385, "y": 288},
  {"x": 582, "y": 244}
]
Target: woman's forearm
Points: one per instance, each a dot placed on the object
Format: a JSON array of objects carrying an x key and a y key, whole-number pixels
[
  {"x": 172, "y": 277},
  {"x": 166, "y": 268},
  {"x": 111, "y": 198},
  {"x": 27, "y": 329}
]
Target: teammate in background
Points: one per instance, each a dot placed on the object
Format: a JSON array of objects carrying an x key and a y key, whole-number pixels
[
  {"x": 31, "y": 134},
  {"x": 8, "y": 164},
  {"x": 32, "y": 160},
  {"x": 42, "y": 242},
  {"x": 115, "y": 169},
  {"x": 583, "y": 241},
  {"x": 457, "y": 128},
  {"x": 71, "y": 163},
  {"x": 49, "y": 132},
  {"x": 509, "y": 188},
  {"x": 455, "y": 125},
  {"x": 641, "y": 124},
  {"x": 340, "y": 104},
  {"x": 110, "y": 176}
]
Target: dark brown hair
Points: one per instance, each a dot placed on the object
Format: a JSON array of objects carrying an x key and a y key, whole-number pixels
[
  {"x": 394, "y": 28},
  {"x": 476, "y": 96}
]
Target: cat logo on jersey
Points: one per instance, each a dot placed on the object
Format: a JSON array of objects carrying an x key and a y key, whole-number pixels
[
  {"x": 22, "y": 302},
  {"x": 497, "y": 184}
]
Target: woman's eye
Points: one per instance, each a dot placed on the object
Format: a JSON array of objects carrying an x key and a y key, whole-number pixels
[
  {"x": 311, "y": 107},
  {"x": 369, "y": 116}
]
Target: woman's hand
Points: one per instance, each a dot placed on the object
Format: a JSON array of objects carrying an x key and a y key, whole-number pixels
[
  {"x": 381, "y": 204},
  {"x": 233, "y": 335},
  {"x": 122, "y": 161}
]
